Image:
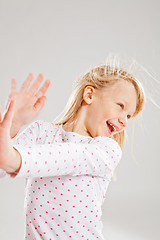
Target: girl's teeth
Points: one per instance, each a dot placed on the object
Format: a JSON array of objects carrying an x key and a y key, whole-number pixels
[{"x": 112, "y": 126}]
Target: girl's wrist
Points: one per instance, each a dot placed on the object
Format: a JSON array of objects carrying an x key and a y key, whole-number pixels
[
  {"x": 14, "y": 164},
  {"x": 16, "y": 126}
]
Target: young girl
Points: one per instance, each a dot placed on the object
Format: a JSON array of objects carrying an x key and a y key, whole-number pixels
[{"x": 68, "y": 164}]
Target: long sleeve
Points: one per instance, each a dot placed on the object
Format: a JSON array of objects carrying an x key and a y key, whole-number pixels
[
  {"x": 27, "y": 136},
  {"x": 97, "y": 158}
]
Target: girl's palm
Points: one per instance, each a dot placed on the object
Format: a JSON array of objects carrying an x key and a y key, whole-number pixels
[{"x": 28, "y": 102}]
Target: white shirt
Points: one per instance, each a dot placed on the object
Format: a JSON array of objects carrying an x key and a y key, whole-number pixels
[{"x": 67, "y": 175}]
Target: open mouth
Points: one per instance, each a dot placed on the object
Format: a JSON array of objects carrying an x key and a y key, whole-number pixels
[{"x": 111, "y": 127}]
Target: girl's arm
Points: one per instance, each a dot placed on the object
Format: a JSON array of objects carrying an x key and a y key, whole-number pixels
[
  {"x": 10, "y": 159},
  {"x": 28, "y": 136},
  {"x": 28, "y": 104},
  {"x": 97, "y": 158}
]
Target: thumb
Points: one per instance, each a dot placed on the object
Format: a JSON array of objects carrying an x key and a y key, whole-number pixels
[
  {"x": 7, "y": 120},
  {"x": 40, "y": 103}
]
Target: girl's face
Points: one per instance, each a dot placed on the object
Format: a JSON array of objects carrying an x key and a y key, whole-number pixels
[{"x": 109, "y": 109}]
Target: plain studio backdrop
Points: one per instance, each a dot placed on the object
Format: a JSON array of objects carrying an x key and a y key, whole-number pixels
[{"x": 62, "y": 40}]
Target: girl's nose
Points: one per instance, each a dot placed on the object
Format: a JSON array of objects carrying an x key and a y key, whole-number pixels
[{"x": 123, "y": 120}]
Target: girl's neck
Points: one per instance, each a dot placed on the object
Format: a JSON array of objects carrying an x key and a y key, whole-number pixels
[
  {"x": 69, "y": 126},
  {"x": 77, "y": 123}
]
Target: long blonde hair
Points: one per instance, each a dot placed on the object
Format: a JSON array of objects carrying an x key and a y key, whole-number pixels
[{"x": 100, "y": 76}]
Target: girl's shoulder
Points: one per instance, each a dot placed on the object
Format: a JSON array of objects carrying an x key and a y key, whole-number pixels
[
  {"x": 44, "y": 126},
  {"x": 105, "y": 140}
]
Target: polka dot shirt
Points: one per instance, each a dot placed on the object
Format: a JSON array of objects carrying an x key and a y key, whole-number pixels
[{"x": 67, "y": 175}]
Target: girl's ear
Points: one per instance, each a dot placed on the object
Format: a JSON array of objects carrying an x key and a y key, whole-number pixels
[{"x": 88, "y": 94}]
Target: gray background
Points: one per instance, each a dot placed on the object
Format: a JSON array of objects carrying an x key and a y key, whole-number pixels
[{"x": 62, "y": 39}]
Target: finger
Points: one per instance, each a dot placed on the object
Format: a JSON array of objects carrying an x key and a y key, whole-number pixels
[
  {"x": 0, "y": 114},
  {"x": 7, "y": 120},
  {"x": 13, "y": 85},
  {"x": 43, "y": 89},
  {"x": 7, "y": 103},
  {"x": 36, "y": 84},
  {"x": 27, "y": 82},
  {"x": 40, "y": 103}
]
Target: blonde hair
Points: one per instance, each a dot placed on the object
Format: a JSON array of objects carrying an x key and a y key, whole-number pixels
[{"x": 101, "y": 76}]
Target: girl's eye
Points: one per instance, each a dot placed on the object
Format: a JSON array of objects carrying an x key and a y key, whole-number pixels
[
  {"x": 128, "y": 116},
  {"x": 121, "y": 105}
]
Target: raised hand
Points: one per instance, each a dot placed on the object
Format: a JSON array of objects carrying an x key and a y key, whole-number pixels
[
  {"x": 10, "y": 159},
  {"x": 29, "y": 102}
]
